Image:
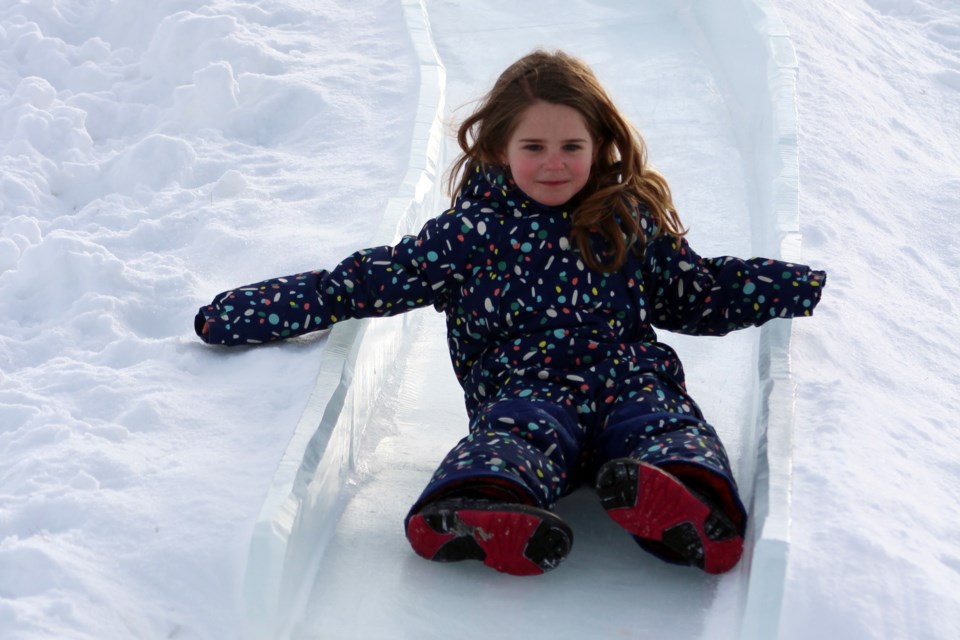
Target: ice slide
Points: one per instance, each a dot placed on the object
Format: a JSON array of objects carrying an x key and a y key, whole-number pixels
[{"x": 711, "y": 84}]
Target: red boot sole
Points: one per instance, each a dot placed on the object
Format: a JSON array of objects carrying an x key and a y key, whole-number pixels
[
  {"x": 666, "y": 512},
  {"x": 513, "y": 539}
]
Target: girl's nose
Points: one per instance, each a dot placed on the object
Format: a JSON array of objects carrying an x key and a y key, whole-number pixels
[{"x": 554, "y": 161}]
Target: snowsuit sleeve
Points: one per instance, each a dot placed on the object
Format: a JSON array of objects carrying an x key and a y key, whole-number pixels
[
  {"x": 380, "y": 281},
  {"x": 714, "y": 296}
]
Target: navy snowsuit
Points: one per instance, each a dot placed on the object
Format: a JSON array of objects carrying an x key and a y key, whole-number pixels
[{"x": 560, "y": 364}]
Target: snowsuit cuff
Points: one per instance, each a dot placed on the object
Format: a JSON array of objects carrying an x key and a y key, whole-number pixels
[
  {"x": 817, "y": 281},
  {"x": 266, "y": 311}
]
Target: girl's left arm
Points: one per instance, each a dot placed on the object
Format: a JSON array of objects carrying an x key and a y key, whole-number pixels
[{"x": 714, "y": 296}]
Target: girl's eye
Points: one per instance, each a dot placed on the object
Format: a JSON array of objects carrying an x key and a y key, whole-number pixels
[
  {"x": 533, "y": 147},
  {"x": 573, "y": 146}
]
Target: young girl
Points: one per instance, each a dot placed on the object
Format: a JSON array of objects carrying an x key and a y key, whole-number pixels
[{"x": 560, "y": 254}]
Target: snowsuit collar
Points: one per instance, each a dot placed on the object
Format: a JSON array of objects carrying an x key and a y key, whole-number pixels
[{"x": 494, "y": 185}]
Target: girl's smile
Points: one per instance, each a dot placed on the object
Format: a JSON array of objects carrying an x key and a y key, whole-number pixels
[{"x": 550, "y": 153}]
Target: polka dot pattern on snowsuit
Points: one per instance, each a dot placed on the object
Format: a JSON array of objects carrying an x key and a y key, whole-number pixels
[{"x": 560, "y": 365}]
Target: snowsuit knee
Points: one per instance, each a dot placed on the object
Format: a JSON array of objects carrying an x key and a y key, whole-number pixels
[{"x": 525, "y": 442}]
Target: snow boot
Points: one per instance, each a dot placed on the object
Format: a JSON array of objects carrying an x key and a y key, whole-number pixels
[
  {"x": 512, "y": 538},
  {"x": 667, "y": 518}
]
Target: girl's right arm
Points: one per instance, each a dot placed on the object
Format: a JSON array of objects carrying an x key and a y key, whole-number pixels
[{"x": 379, "y": 281}]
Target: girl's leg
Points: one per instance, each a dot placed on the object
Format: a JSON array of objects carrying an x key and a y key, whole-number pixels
[
  {"x": 524, "y": 448},
  {"x": 491, "y": 496},
  {"x": 666, "y": 478}
]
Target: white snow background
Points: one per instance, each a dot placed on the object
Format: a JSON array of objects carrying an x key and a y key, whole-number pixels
[{"x": 153, "y": 154}]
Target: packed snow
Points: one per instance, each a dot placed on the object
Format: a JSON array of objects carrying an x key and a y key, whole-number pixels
[{"x": 154, "y": 154}]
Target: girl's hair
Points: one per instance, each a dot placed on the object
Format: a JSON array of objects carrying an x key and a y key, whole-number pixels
[{"x": 620, "y": 179}]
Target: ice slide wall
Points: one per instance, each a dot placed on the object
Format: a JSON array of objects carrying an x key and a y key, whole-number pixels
[{"x": 755, "y": 65}]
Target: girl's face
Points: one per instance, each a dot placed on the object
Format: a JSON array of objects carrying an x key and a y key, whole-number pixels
[{"x": 550, "y": 153}]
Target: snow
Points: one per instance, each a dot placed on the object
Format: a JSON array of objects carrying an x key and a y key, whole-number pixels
[
  {"x": 154, "y": 154},
  {"x": 875, "y": 548}
]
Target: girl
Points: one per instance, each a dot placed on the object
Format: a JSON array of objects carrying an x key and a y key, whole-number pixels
[{"x": 561, "y": 252}]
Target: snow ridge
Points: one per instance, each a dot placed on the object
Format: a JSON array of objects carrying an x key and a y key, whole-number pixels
[
  {"x": 767, "y": 129},
  {"x": 305, "y": 495}
]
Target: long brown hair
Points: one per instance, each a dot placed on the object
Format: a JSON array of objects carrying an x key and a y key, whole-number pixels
[{"x": 620, "y": 179}]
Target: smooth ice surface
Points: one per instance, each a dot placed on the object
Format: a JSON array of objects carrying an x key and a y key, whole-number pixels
[
  {"x": 155, "y": 153},
  {"x": 606, "y": 565}
]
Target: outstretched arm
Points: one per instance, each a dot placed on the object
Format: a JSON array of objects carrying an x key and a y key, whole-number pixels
[
  {"x": 714, "y": 296},
  {"x": 379, "y": 281}
]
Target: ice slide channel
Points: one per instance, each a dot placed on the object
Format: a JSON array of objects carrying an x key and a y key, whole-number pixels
[{"x": 711, "y": 83}]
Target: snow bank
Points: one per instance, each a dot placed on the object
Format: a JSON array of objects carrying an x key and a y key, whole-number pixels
[
  {"x": 875, "y": 545},
  {"x": 305, "y": 496},
  {"x": 755, "y": 57},
  {"x": 152, "y": 154}
]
